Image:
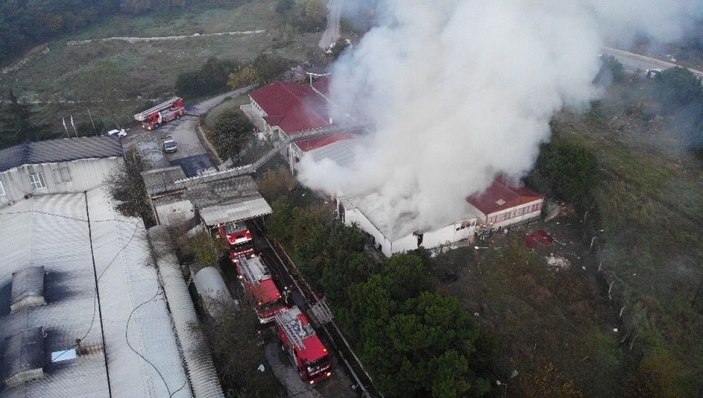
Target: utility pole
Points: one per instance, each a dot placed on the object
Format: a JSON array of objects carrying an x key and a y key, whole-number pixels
[
  {"x": 74, "y": 126},
  {"x": 63, "y": 119},
  {"x": 91, "y": 121}
]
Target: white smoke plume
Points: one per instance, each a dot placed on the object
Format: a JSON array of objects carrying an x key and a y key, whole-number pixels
[{"x": 459, "y": 91}]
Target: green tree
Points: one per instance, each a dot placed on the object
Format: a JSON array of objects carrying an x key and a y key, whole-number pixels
[
  {"x": 203, "y": 249},
  {"x": 127, "y": 187},
  {"x": 269, "y": 67},
  {"x": 570, "y": 170},
  {"x": 233, "y": 341},
  {"x": 231, "y": 133},
  {"x": 611, "y": 70},
  {"x": 17, "y": 126},
  {"x": 316, "y": 14},
  {"x": 275, "y": 184},
  {"x": 211, "y": 78},
  {"x": 677, "y": 87},
  {"x": 243, "y": 77}
]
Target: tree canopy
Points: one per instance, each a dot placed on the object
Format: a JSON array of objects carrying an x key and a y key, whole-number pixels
[
  {"x": 569, "y": 170},
  {"x": 415, "y": 341},
  {"x": 231, "y": 133},
  {"x": 211, "y": 78},
  {"x": 16, "y": 126},
  {"x": 677, "y": 87}
]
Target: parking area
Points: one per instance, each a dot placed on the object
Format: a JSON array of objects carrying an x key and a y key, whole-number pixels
[{"x": 190, "y": 155}]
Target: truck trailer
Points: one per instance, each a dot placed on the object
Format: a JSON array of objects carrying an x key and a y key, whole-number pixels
[{"x": 162, "y": 113}]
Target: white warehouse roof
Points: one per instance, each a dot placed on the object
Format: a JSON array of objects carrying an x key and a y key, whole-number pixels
[{"x": 76, "y": 237}]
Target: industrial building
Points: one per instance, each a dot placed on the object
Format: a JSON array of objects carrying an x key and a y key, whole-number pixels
[
  {"x": 284, "y": 110},
  {"x": 83, "y": 312}
]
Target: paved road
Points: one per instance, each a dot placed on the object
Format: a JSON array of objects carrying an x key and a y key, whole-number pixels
[
  {"x": 331, "y": 34},
  {"x": 634, "y": 62},
  {"x": 191, "y": 155}
]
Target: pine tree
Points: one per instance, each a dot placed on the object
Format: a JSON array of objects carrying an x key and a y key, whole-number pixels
[{"x": 15, "y": 123}]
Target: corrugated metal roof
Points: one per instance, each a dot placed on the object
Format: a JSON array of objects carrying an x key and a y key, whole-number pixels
[
  {"x": 244, "y": 210},
  {"x": 52, "y": 230},
  {"x": 220, "y": 192},
  {"x": 60, "y": 150},
  {"x": 201, "y": 371},
  {"x": 159, "y": 181},
  {"x": 138, "y": 328}
]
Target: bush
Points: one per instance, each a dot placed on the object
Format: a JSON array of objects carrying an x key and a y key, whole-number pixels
[
  {"x": 210, "y": 79},
  {"x": 677, "y": 87},
  {"x": 231, "y": 133},
  {"x": 262, "y": 70},
  {"x": 570, "y": 172}
]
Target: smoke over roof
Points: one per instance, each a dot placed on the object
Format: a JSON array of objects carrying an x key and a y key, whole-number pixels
[{"x": 460, "y": 91}]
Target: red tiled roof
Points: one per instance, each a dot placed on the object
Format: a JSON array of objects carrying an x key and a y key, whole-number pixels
[
  {"x": 500, "y": 196},
  {"x": 292, "y": 106},
  {"x": 319, "y": 142}
]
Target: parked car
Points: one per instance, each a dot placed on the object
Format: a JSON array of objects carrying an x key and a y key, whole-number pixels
[
  {"x": 169, "y": 144},
  {"x": 115, "y": 132}
]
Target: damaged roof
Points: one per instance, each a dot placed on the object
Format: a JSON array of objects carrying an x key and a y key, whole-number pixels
[
  {"x": 60, "y": 150},
  {"x": 75, "y": 237}
]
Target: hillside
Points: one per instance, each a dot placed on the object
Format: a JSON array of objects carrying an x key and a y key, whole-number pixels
[{"x": 101, "y": 69}]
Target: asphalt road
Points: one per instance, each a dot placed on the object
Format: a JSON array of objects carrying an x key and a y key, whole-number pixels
[
  {"x": 634, "y": 62},
  {"x": 191, "y": 155},
  {"x": 340, "y": 383}
]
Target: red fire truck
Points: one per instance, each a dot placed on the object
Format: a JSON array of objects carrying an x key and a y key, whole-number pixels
[
  {"x": 161, "y": 113},
  {"x": 303, "y": 345},
  {"x": 238, "y": 238},
  {"x": 257, "y": 282}
]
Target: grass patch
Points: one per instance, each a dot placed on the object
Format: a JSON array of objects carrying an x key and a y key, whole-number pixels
[
  {"x": 650, "y": 203},
  {"x": 226, "y": 106}
]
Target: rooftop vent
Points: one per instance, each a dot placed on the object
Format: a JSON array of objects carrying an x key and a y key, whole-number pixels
[
  {"x": 23, "y": 359},
  {"x": 27, "y": 288},
  {"x": 500, "y": 202}
]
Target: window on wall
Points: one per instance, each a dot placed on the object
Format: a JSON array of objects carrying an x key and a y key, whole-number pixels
[
  {"x": 65, "y": 174},
  {"x": 37, "y": 180},
  {"x": 2, "y": 189}
]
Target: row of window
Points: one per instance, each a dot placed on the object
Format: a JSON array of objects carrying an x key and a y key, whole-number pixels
[
  {"x": 515, "y": 213},
  {"x": 37, "y": 181}
]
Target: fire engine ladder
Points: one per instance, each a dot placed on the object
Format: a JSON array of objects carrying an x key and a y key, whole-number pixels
[
  {"x": 141, "y": 116},
  {"x": 246, "y": 269},
  {"x": 293, "y": 327}
]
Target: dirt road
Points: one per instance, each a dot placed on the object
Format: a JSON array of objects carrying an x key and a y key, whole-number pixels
[{"x": 331, "y": 34}]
